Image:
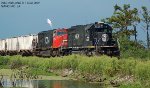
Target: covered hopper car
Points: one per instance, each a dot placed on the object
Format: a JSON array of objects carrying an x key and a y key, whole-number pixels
[
  {"x": 2, "y": 47},
  {"x": 22, "y": 45}
]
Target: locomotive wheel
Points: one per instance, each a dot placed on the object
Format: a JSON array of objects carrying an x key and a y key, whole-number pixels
[
  {"x": 65, "y": 53},
  {"x": 54, "y": 53},
  {"x": 89, "y": 53},
  {"x": 82, "y": 52},
  {"x": 98, "y": 53},
  {"x": 58, "y": 53},
  {"x": 3, "y": 54},
  {"x": 23, "y": 54}
]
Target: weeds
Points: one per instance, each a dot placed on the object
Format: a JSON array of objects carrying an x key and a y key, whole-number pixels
[{"x": 101, "y": 66}]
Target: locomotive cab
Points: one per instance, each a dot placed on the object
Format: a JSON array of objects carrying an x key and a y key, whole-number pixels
[
  {"x": 60, "y": 38},
  {"x": 101, "y": 34}
]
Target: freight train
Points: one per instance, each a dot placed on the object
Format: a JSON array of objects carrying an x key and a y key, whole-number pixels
[{"x": 89, "y": 39}]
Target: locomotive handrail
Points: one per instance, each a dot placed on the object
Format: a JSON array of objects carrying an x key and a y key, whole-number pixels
[{"x": 118, "y": 43}]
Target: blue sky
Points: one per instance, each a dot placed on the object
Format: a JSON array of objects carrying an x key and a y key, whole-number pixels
[{"x": 31, "y": 19}]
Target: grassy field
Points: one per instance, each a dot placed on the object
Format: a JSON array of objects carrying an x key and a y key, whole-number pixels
[{"x": 127, "y": 70}]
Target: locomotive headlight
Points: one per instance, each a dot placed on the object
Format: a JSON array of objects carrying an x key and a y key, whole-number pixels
[
  {"x": 87, "y": 38},
  {"x": 105, "y": 37}
]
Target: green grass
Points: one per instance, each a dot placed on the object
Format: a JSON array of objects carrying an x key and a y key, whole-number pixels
[
  {"x": 103, "y": 66},
  {"x": 136, "y": 85}
]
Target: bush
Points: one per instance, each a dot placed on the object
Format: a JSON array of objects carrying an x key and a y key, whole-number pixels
[
  {"x": 134, "y": 49},
  {"x": 3, "y": 60},
  {"x": 15, "y": 63}
]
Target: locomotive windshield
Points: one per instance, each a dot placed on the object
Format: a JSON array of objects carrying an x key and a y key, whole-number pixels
[
  {"x": 61, "y": 33},
  {"x": 103, "y": 28}
]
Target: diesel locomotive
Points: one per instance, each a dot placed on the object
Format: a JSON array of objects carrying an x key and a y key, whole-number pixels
[
  {"x": 92, "y": 39},
  {"x": 89, "y": 39}
]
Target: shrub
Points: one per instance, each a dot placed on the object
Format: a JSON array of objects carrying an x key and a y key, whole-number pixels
[{"x": 4, "y": 60}]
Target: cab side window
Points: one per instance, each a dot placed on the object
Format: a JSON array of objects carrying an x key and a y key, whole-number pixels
[{"x": 54, "y": 33}]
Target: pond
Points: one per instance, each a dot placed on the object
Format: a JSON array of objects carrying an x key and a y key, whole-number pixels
[{"x": 7, "y": 83}]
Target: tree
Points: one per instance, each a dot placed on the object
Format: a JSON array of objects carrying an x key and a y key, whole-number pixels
[
  {"x": 122, "y": 18},
  {"x": 146, "y": 20},
  {"x": 135, "y": 21}
]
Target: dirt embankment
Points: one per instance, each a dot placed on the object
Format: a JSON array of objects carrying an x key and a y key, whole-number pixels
[{"x": 94, "y": 78}]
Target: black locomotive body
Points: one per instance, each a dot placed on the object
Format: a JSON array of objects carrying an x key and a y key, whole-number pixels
[
  {"x": 44, "y": 44},
  {"x": 45, "y": 39},
  {"x": 93, "y": 39}
]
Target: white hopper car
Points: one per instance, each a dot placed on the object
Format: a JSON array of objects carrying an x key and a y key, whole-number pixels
[
  {"x": 2, "y": 47},
  {"x": 27, "y": 44},
  {"x": 23, "y": 45}
]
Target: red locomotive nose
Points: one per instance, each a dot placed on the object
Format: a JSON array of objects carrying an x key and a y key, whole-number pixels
[{"x": 60, "y": 38}]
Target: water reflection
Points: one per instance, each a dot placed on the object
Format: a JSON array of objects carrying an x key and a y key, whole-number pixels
[
  {"x": 6, "y": 83},
  {"x": 19, "y": 83}
]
